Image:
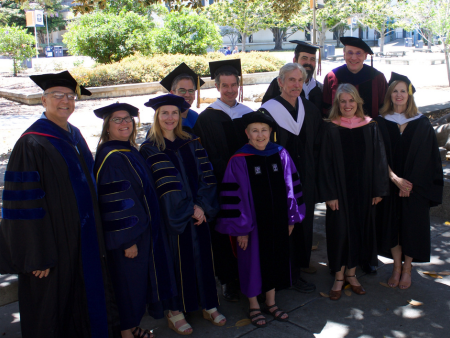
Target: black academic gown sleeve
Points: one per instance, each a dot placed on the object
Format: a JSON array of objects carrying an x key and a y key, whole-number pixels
[
  {"x": 272, "y": 92},
  {"x": 316, "y": 96}
]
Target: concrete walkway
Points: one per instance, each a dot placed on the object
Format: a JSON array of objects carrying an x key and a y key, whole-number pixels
[{"x": 382, "y": 312}]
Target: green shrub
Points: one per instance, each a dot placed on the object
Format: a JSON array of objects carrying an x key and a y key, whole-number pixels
[
  {"x": 108, "y": 37},
  {"x": 138, "y": 68}
]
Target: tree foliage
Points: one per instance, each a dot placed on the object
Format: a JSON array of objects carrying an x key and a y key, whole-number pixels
[
  {"x": 109, "y": 37},
  {"x": 16, "y": 43},
  {"x": 187, "y": 33}
]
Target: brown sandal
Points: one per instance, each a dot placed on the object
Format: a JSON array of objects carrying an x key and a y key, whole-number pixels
[
  {"x": 358, "y": 289},
  {"x": 335, "y": 295}
]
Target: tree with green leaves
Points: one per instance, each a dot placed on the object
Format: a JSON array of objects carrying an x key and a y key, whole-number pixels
[
  {"x": 246, "y": 16},
  {"x": 187, "y": 32},
  {"x": 432, "y": 16},
  {"x": 280, "y": 27},
  {"x": 109, "y": 37},
  {"x": 17, "y": 44}
]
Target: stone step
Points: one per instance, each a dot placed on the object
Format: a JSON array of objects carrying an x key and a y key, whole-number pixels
[{"x": 8, "y": 289}]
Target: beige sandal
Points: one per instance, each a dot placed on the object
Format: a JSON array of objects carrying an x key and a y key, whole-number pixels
[
  {"x": 181, "y": 330},
  {"x": 207, "y": 314}
]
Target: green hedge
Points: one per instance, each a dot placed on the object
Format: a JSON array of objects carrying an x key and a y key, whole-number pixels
[{"x": 138, "y": 68}]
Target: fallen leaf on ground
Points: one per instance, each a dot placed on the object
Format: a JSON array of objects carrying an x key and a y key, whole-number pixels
[
  {"x": 429, "y": 272},
  {"x": 315, "y": 247},
  {"x": 385, "y": 284},
  {"x": 323, "y": 294},
  {"x": 435, "y": 276},
  {"x": 447, "y": 223},
  {"x": 444, "y": 273},
  {"x": 348, "y": 286},
  {"x": 348, "y": 292},
  {"x": 414, "y": 302},
  {"x": 243, "y": 322}
]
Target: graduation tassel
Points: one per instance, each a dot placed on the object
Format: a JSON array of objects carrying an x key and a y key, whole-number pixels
[
  {"x": 139, "y": 119},
  {"x": 78, "y": 90},
  {"x": 410, "y": 91},
  {"x": 275, "y": 136},
  {"x": 371, "y": 60},
  {"x": 241, "y": 89}
]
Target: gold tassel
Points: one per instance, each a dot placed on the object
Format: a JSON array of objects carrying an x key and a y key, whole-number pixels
[
  {"x": 78, "y": 90},
  {"x": 275, "y": 136},
  {"x": 410, "y": 91},
  {"x": 241, "y": 89},
  {"x": 198, "y": 91},
  {"x": 139, "y": 119}
]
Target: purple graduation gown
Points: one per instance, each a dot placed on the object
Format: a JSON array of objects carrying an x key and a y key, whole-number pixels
[{"x": 261, "y": 196}]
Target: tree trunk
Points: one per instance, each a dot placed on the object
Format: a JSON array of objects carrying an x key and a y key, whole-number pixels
[
  {"x": 15, "y": 66},
  {"x": 244, "y": 37},
  {"x": 430, "y": 38},
  {"x": 446, "y": 60},
  {"x": 383, "y": 28},
  {"x": 278, "y": 36}
]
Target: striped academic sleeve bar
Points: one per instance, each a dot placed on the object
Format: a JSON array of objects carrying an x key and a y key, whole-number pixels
[
  {"x": 297, "y": 188},
  {"x": 230, "y": 199},
  {"x": 229, "y": 213},
  {"x": 295, "y": 177},
  {"x": 211, "y": 179},
  {"x": 23, "y": 214},
  {"x": 207, "y": 166},
  {"x": 164, "y": 172},
  {"x": 200, "y": 153},
  {"x": 120, "y": 224},
  {"x": 23, "y": 195},
  {"x": 22, "y": 176},
  {"x": 300, "y": 200},
  {"x": 117, "y": 206},
  {"x": 168, "y": 187},
  {"x": 157, "y": 158},
  {"x": 113, "y": 187}
]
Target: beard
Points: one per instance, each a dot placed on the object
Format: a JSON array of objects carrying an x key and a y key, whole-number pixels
[{"x": 309, "y": 70}]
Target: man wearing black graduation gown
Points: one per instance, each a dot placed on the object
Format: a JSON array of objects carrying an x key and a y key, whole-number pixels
[
  {"x": 371, "y": 83},
  {"x": 304, "y": 55},
  {"x": 221, "y": 132},
  {"x": 298, "y": 130},
  {"x": 51, "y": 232}
]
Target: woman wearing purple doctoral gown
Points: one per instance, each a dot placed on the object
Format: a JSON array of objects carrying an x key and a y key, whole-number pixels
[{"x": 261, "y": 200}]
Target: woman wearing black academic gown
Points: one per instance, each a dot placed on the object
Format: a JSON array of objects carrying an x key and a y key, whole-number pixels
[
  {"x": 415, "y": 171},
  {"x": 186, "y": 187},
  {"x": 353, "y": 176},
  {"x": 138, "y": 252}
]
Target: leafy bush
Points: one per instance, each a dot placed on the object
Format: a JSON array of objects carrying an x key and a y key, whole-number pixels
[
  {"x": 138, "y": 68},
  {"x": 108, "y": 37},
  {"x": 16, "y": 43},
  {"x": 187, "y": 33}
]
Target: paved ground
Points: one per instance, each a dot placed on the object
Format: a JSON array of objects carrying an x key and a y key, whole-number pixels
[{"x": 382, "y": 312}]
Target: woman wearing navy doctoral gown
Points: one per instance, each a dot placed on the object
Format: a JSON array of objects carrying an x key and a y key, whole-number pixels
[
  {"x": 137, "y": 249},
  {"x": 186, "y": 187},
  {"x": 261, "y": 201}
]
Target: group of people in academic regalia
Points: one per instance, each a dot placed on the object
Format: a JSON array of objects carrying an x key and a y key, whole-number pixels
[{"x": 228, "y": 193}]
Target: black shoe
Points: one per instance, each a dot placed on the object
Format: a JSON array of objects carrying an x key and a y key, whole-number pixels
[
  {"x": 303, "y": 286},
  {"x": 229, "y": 293},
  {"x": 370, "y": 269}
]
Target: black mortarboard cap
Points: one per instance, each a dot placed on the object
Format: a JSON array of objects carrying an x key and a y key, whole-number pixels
[
  {"x": 180, "y": 70},
  {"x": 356, "y": 42},
  {"x": 258, "y": 117},
  {"x": 399, "y": 77},
  {"x": 107, "y": 110},
  {"x": 230, "y": 65},
  {"x": 305, "y": 47},
  {"x": 63, "y": 79},
  {"x": 168, "y": 100}
]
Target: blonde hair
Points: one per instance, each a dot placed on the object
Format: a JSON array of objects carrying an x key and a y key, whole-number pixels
[
  {"x": 104, "y": 136},
  {"x": 156, "y": 135},
  {"x": 335, "y": 111},
  {"x": 388, "y": 106}
]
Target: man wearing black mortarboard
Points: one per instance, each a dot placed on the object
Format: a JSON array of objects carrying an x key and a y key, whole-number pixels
[
  {"x": 371, "y": 83},
  {"x": 304, "y": 55},
  {"x": 51, "y": 233},
  {"x": 184, "y": 82},
  {"x": 221, "y": 132}
]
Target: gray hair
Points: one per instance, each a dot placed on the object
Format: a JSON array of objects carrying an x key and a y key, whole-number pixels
[
  {"x": 289, "y": 67},
  {"x": 182, "y": 77}
]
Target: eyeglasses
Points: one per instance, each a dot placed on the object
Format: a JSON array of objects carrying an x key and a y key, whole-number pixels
[
  {"x": 183, "y": 91},
  {"x": 60, "y": 95},
  {"x": 119, "y": 120},
  {"x": 358, "y": 54}
]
